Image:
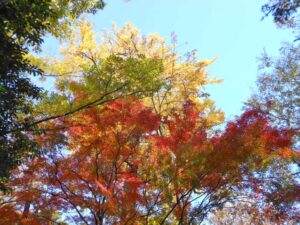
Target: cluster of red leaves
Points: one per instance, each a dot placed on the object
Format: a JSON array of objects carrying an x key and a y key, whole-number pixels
[{"x": 120, "y": 169}]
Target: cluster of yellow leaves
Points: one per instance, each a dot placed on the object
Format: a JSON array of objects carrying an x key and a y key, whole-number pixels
[{"x": 184, "y": 77}]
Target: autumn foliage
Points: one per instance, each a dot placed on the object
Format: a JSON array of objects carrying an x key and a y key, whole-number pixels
[
  {"x": 126, "y": 138},
  {"x": 124, "y": 164}
]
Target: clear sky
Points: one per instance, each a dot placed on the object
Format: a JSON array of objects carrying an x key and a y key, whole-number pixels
[{"x": 231, "y": 30}]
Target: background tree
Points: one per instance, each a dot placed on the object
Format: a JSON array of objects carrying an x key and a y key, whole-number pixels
[
  {"x": 278, "y": 87},
  {"x": 277, "y": 93},
  {"x": 284, "y": 12},
  {"x": 22, "y": 26}
]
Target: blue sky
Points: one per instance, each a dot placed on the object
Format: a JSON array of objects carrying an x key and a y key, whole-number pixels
[{"x": 230, "y": 30}]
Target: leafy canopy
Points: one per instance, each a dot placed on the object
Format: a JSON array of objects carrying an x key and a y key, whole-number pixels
[
  {"x": 124, "y": 62},
  {"x": 117, "y": 169},
  {"x": 22, "y": 26},
  {"x": 128, "y": 138}
]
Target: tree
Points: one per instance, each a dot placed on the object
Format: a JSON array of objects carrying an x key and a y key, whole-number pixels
[
  {"x": 22, "y": 26},
  {"x": 284, "y": 12},
  {"x": 127, "y": 139},
  {"x": 278, "y": 95},
  {"x": 278, "y": 87},
  {"x": 117, "y": 169},
  {"x": 154, "y": 72}
]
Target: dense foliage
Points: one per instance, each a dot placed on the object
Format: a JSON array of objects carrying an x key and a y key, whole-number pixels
[
  {"x": 127, "y": 135},
  {"x": 127, "y": 139},
  {"x": 118, "y": 169},
  {"x": 122, "y": 63},
  {"x": 22, "y": 26}
]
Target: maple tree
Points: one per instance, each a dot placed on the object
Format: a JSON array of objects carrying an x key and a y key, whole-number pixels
[
  {"x": 118, "y": 170},
  {"x": 127, "y": 139}
]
